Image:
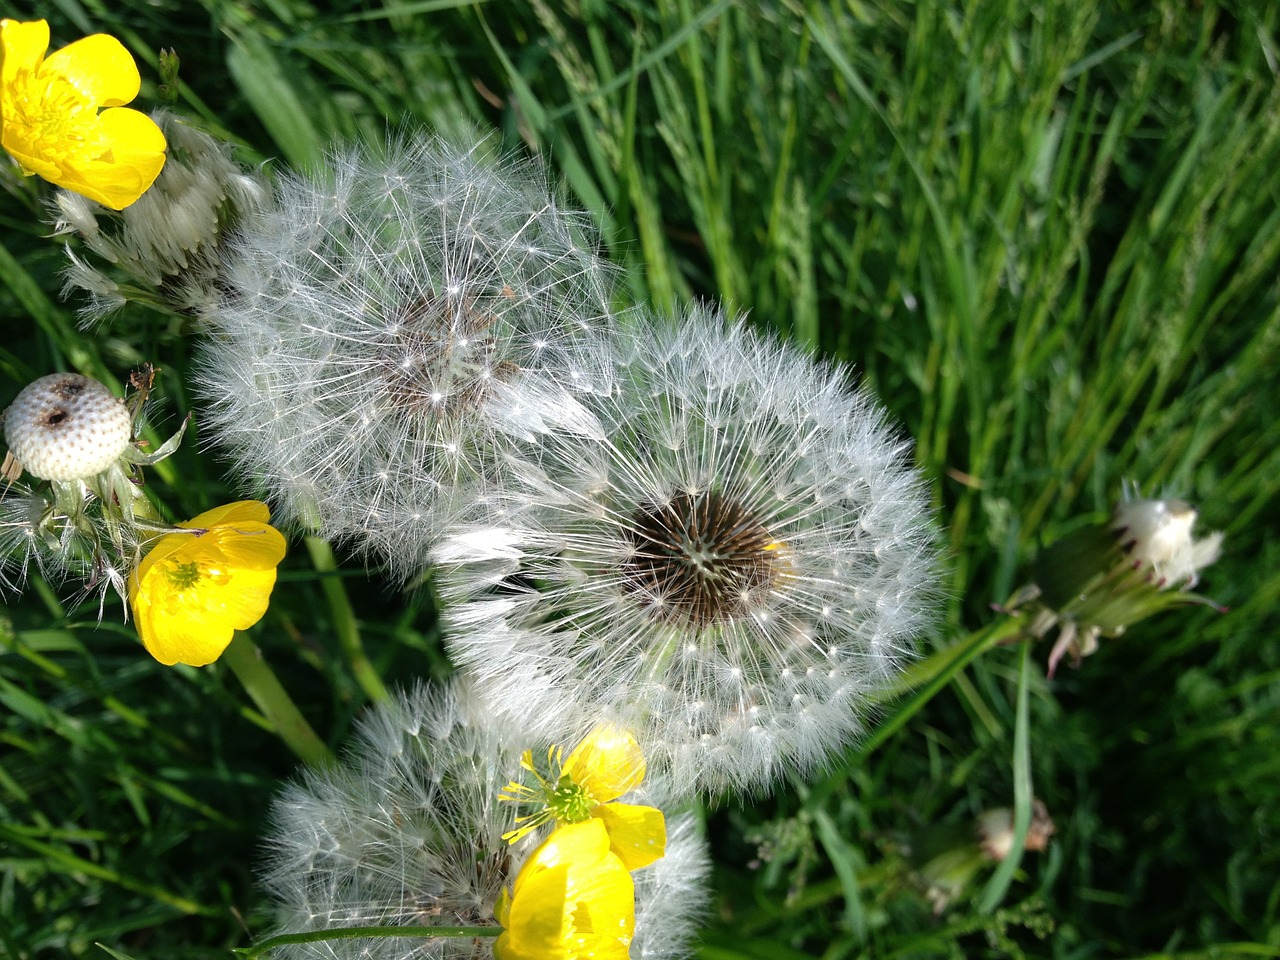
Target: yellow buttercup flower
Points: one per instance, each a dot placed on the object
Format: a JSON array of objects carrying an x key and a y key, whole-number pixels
[
  {"x": 52, "y": 123},
  {"x": 607, "y": 764},
  {"x": 572, "y": 900},
  {"x": 194, "y": 590}
]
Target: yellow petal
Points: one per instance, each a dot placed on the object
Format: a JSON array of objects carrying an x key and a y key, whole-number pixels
[
  {"x": 637, "y": 834},
  {"x": 99, "y": 67},
  {"x": 23, "y": 46},
  {"x": 248, "y": 546},
  {"x": 607, "y": 764},
  {"x": 231, "y": 513},
  {"x": 579, "y": 843},
  {"x": 186, "y": 641},
  {"x": 572, "y": 898},
  {"x": 133, "y": 158},
  {"x": 537, "y": 918}
]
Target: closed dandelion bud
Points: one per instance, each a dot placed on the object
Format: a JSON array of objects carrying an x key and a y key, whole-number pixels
[
  {"x": 409, "y": 832},
  {"x": 373, "y": 344},
  {"x": 738, "y": 564},
  {"x": 66, "y": 427},
  {"x": 1098, "y": 580}
]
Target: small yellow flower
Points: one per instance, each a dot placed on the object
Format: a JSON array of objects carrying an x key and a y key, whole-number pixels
[
  {"x": 51, "y": 124},
  {"x": 194, "y": 590},
  {"x": 572, "y": 900},
  {"x": 607, "y": 764}
]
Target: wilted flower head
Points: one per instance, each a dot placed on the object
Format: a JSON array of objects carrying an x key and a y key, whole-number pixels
[
  {"x": 1156, "y": 535},
  {"x": 376, "y": 324},
  {"x": 51, "y": 119},
  {"x": 738, "y": 562},
  {"x": 409, "y": 831},
  {"x": 946, "y": 858},
  {"x": 169, "y": 244},
  {"x": 1098, "y": 580}
]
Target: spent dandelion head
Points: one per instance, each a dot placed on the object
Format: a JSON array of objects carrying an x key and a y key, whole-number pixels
[
  {"x": 166, "y": 249},
  {"x": 62, "y": 115},
  {"x": 409, "y": 831},
  {"x": 376, "y": 327},
  {"x": 1101, "y": 578},
  {"x": 86, "y": 516},
  {"x": 732, "y": 572}
]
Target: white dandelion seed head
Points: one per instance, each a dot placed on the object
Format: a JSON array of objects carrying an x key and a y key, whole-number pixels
[
  {"x": 378, "y": 323},
  {"x": 66, "y": 426},
  {"x": 733, "y": 572},
  {"x": 408, "y": 831}
]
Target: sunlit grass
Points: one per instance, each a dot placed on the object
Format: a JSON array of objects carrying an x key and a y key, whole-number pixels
[{"x": 1046, "y": 235}]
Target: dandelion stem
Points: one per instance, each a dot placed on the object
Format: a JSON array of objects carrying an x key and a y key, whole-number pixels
[
  {"x": 264, "y": 688},
  {"x": 344, "y": 620},
  {"x": 351, "y": 933}
]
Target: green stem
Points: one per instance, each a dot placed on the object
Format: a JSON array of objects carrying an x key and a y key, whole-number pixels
[
  {"x": 246, "y": 662},
  {"x": 352, "y": 933},
  {"x": 344, "y": 620}
]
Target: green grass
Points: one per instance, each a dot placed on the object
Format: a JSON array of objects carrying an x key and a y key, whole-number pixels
[{"x": 1046, "y": 234}]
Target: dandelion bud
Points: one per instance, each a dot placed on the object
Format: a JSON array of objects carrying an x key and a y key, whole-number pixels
[
  {"x": 66, "y": 427},
  {"x": 1099, "y": 579}
]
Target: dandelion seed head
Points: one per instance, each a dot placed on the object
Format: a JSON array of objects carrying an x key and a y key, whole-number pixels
[
  {"x": 378, "y": 328},
  {"x": 734, "y": 569}
]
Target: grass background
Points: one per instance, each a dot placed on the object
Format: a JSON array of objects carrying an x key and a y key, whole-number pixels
[{"x": 1046, "y": 234}]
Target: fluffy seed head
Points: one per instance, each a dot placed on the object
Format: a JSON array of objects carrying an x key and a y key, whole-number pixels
[
  {"x": 737, "y": 561},
  {"x": 377, "y": 325},
  {"x": 408, "y": 831},
  {"x": 66, "y": 427}
]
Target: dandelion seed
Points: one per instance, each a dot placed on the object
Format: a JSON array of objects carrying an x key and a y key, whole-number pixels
[
  {"x": 742, "y": 561},
  {"x": 378, "y": 325}
]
